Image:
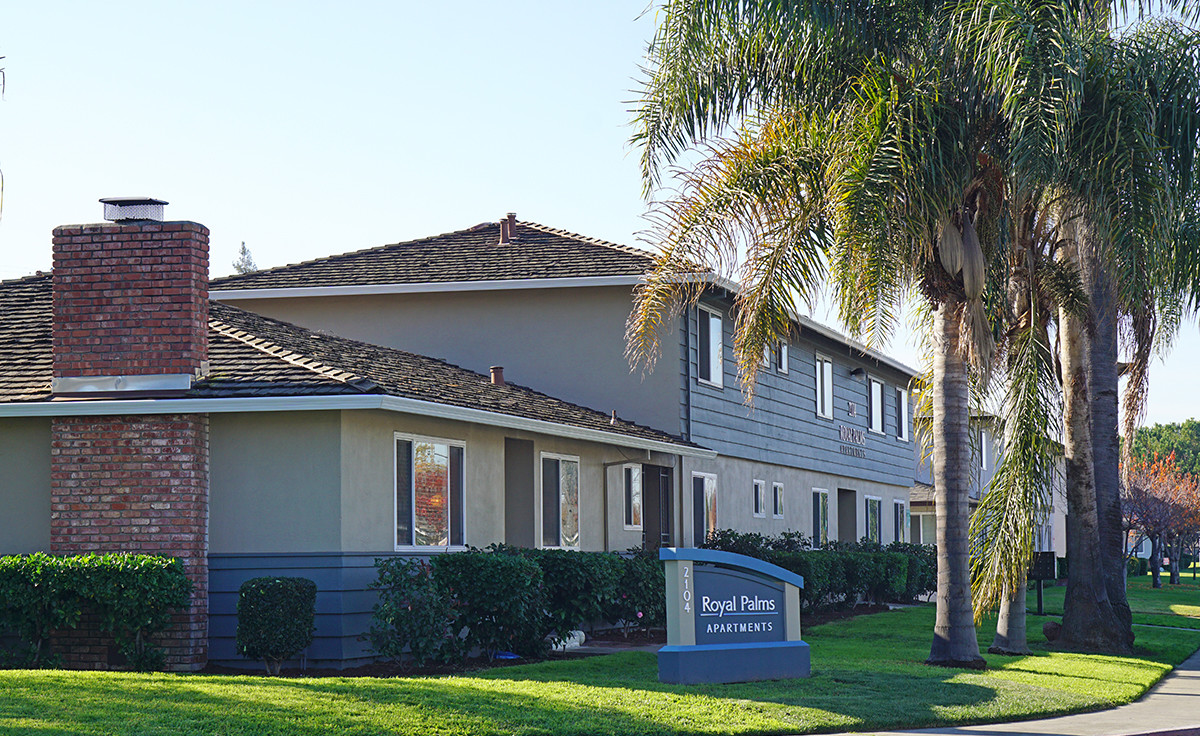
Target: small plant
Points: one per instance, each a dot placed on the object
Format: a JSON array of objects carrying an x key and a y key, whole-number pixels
[
  {"x": 414, "y": 613},
  {"x": 275, "y": 619}
]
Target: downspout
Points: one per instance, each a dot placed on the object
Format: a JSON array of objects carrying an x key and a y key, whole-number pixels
[{"x": 687, "y": 374}]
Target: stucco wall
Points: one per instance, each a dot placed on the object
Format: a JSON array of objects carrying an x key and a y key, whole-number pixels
[
  {"x": 275, "y": 482},
  {"x": 25, "y": 488},
  {"x": 569, "y": 343}
]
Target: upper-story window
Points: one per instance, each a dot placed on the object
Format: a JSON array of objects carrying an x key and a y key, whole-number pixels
[
  {"x": 902, "y": 414},
  {"x": 781, "y": 357},
  {"x": 824, "y": 387},
  {"x": 983, "y": 449},
  {"x": 560, "y": 501},
  {"x": 710, "y": 351},
  {"x": 429, "y": 492},
  {"x": 875, "y": 404}
]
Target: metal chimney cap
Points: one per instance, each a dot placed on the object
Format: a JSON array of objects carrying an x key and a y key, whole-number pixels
[{"x": 132, "y": 208}]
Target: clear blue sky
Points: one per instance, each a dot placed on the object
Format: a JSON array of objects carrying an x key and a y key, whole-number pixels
[{"x": 308, "y": 129}]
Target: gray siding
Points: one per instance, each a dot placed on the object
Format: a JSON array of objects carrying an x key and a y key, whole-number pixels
[{"x": 782, "y": 426}]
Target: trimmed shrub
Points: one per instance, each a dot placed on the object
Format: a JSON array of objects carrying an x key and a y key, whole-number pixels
[
  {"x": 414, "y": 612},
  {"x": 641, "y": 600},
  {"x": 133, "y": 597},
  {"x": 500, "y": 600},
  {"x": 922, "y": 569},
  {"x": 580, "y": 587},
  {"x": 1062, "y": 568},
  {"x": 275, "y": 619}
]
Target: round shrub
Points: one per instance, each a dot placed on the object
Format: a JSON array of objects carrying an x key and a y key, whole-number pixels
[{"x": 275, "y": 619}]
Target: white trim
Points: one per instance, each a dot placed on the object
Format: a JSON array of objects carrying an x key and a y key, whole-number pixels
[
  {"x": 317, "y": 403},
  {"x": 411, "y": 438},
  {"x": 435, "y": 287},
  {"x": 541, "y": 500},
  {"x": 760, "y": 499},
  {"x": 782, "y": 506}
]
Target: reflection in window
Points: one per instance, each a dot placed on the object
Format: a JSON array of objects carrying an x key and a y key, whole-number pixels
[
  {"x": 824, "y": 387},
  {"x": 633, "y": 497},
  {"x": 429, "y": 493},
  {"x": 820, "y": 518},
  {"x": 560, "y": 502},
  {"x": 704, "y": 506},
  {"x": 873, "y": 520},
  {"x": 777, "y": 500}
]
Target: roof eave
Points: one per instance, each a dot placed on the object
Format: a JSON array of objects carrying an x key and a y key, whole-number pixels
[{"x": 430, "y": 287}]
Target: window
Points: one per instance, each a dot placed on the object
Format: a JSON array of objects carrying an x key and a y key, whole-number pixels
[
  {"x": 875, "y": 404},
  {"x": 820, "y": 499},
  {"x": 633, "y": 496},
  {"x": 899, "y": 521},
  {"x": 824, "y": 387},
  {"x": 873, "y": 521},
  {"x": 766, "y": 357},
  {"x": 560, "y": 501},
  {"x": 781, "y": 357},
  {"x": 429, "y": 492},
  {"x": 704, "y": 506},
  {"x": 983, "y": 449},
  {"x": 902, "y": 414},
  {"x": 760, "y": 504},
  {"x": 710, "y": 352},
  {"x": 777, "y": 500}
]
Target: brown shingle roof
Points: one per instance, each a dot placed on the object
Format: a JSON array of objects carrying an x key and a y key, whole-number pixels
[
  {"x": 536, "y": 252},
  {"x": 251, "y": 355}
]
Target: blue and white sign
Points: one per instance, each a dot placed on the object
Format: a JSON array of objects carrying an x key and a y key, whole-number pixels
[{"x": 730, "y": 618}]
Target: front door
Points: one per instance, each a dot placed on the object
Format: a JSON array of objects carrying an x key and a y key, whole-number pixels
[{"x": 656, "y": 491}]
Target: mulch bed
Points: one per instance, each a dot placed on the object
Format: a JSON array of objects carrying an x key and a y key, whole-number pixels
[{"x": 612, "y": 637}]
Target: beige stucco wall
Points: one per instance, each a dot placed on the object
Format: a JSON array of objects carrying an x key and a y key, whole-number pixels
[
  {"x": 368, "y": 480},
  {"x": 275, "y": 482},
  {"x": 533, "y": 333},
  {"x": 24, "y": 485},
  {"x": 735, "y": 498}
]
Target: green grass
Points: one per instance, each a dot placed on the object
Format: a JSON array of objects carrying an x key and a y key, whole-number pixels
[
  {"x": 866, "y": 674},
  {"x": 1170, "y": 605}
]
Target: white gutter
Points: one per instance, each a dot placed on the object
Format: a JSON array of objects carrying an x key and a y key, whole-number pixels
[
  {"x": 121, "y": 407},
  {"x": 434, "y": 287}
]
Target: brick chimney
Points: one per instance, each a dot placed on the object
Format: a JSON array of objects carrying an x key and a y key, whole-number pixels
[{"x": 130, "y": 321}]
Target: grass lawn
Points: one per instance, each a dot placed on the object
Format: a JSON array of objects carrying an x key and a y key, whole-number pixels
[
  {"x": 866, "y": 674},
  {"x": 1170, "y": 605}
]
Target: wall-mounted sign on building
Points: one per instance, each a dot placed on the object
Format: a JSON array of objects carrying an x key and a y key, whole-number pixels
[{"x": 730, "y": 618}]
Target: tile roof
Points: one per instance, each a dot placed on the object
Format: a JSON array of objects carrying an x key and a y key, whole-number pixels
[
  {"x": 251, "y": 356},
  {"x": 475, "y": 254}
]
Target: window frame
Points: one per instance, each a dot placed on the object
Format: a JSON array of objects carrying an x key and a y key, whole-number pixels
[
  {"x": 878, "y": 518},
  {"x": 560, "y": 458},
  {"x": 778, "y": 509},
  {"x": 412, "y": 439},
  {"x": 715, "y": 501},
  {"x": 824, "y": 388},
  {"x": 626, "y": 510},
  {"x": 760, "y": 499},
  {"x": 902, "y": 416},
  {"x": 900, "y": 522},
  {"x": 781, "y": 357},
  {"x": 983, "y": 453},
  {"x": 873, "y": 405},
  {"x": 821, "y": 533},
  {"x": 716, "y": 363}
]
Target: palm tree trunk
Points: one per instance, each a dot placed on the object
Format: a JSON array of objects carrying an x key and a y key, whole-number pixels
[
  {"x": 1102, "y": 384},
  {"x": 954, "y": 640},
  {"x": 1010, "y": 626},
  {"x": 1089, "y": 621}
]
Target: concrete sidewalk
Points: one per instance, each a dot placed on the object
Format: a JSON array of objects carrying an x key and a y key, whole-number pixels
[{"x": 1171, "y": 708}]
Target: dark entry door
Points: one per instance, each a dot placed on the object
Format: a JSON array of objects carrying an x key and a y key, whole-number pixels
[{"x": 656, "y": 489}]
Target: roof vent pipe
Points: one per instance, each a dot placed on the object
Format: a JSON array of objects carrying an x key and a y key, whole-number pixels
[
  {"x": 117, "y": 209},
  {"x": 498, "y": 375}
]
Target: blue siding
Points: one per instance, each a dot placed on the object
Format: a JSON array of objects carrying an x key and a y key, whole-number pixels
[{"x": 782, "y": 426}]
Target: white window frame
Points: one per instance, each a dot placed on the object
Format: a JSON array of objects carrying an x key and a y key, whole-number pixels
[
  {"x": 716, "y": 350},
  {"x": 816, "y": 541},
  {"x": 716, "y": 502},
  {"x": 781, "y": 357},
  {"x": 904, "y": 522},
  {"x": 766, "y": 357},
  {"x": 777, "y": 505},
  {"x": 625, "y": 498},
  {"x": 760, "y": 499},
  {"x": 902, "y": 419},
  {"x": 875, "y": 407},
  {"x": 541, "y": 501},
  {"x": 867, "y": 517},
  {"x": 983, "y": 453},
  {"x": 824, "y": 385},
  {"x": 414, "y": 438}
]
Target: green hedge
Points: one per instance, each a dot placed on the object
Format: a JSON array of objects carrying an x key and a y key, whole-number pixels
[
  {"x": 133, "y": 597},
  {"x": 275, "y": 619}
]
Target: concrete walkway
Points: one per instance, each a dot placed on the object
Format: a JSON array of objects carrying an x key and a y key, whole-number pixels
[{"x": 1171, "y": 708}]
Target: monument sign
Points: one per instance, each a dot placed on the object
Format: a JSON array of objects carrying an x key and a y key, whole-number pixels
[{"x": 730, "y": 618}]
